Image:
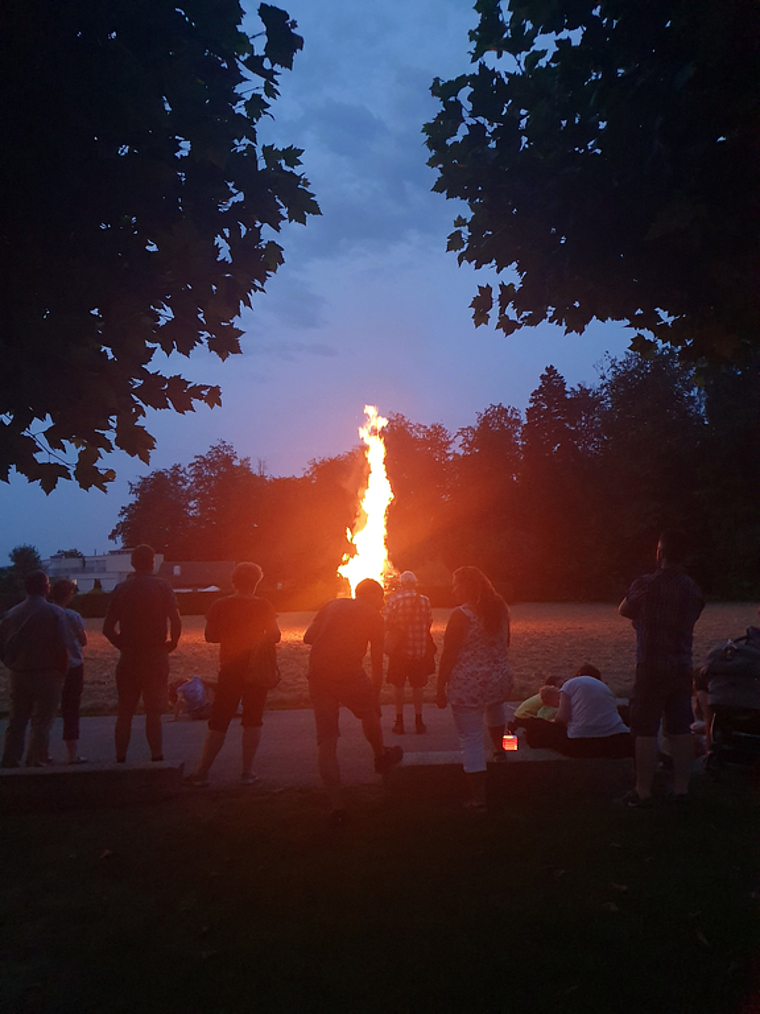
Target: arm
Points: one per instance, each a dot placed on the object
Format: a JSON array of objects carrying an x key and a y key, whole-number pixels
[
  {"x": 564, "y": 711},
  {"x": 633, "y": 600},
  {"x": 273, "y": 632},
  {"x": 175, "y": 626},
  {"x": 109, "y": 624},
  {"x": 453, "y": 639},
  {"x": 376, "y": 640},
  {"x": 80, "y": 631},
  {"x": 314, "y": 628}
]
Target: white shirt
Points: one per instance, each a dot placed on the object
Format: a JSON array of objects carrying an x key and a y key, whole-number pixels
[{"x": 593, "y": 711}]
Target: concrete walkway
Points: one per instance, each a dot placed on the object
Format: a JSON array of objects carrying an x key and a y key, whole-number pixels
[{"x": 287, "y": 755}]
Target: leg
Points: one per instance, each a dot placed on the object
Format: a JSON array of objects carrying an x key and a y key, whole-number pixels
[
  {"x": 329, "y": 771},
  {"x": 646, "y": 763},
  {"x": 469, "y": 726},
  {"x": 212, "y": 744},
  {"x": 251, "y": 737},
  {"x": 683, "y": 758},
  {"x": 398, "y": 696},
  {"x": 154, "y": 734},
  {"x": 496, "y": 721},
  {"x": 128, "y": 696},
  {"x": 373, "y": 734},
  {"x": 22, "y": 703},
  {"x": 417, "y": 699},
  {"x": 46, "y": 703},
  {"x": 71, "y": 696}
]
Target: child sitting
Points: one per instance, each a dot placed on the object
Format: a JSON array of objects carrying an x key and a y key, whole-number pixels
[{"x": 544, "y": 705}]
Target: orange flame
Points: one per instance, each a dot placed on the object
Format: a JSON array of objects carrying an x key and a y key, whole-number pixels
[{"x": 368, "y": 537}]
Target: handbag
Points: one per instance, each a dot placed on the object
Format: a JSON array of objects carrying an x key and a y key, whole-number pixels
[{"x": 263, "y": 670}]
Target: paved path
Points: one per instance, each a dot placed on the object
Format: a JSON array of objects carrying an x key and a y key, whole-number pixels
[{"x": 287, "y": 754}]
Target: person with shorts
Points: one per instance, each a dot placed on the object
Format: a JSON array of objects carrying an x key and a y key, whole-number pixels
[
  {"x": 339, "y": 635},
  {"x": 61, "y": 594},
  {"x": 664, "y": 606},
  {"x": 239, "y": 624},
  {"x": 408, "y": 618},
  {"x": 139, "y": 613}
]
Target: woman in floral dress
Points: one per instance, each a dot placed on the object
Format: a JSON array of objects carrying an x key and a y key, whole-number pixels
[{"x": 474, "y": 676}]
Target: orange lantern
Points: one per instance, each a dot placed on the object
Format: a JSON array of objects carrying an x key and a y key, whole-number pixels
[{"x": 509, "y": 742}]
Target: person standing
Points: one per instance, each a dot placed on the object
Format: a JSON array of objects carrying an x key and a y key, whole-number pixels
[
  {"x": 408, "y": 618},
  {"x": 339, "y": 635},
  {"x": 664, "y": 606},
  {"x": 33, "y": 647},
  {"x": 139, "y": 612},
  {"x": 474, "y": 676},
  {"x": 61, "y": 594},
  {"x": 240, "y": 624}
]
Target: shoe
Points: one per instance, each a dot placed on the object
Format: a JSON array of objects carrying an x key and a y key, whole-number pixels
[
  {"x": 634, "y": 802},
  {"x": 337, "y": 818},
  {"x": 249, "y": 779},
  {"x": 475, "y": 806},
  {"x": 398, "y": 727},
  {"x": 499, "y": 756},
  {"x": 419, "y": 725},
  {"x": 157, "y": 760},
  {"x": 391, "y": 756},
  {"x": 195, "y": 782},
  {"x": 678, "y": 799},
  {"x": 77, "y": 760}
]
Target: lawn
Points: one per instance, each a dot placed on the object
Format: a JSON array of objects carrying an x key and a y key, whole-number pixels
[
  {"x": 225, "y": 902},
  {"x": 547, "y": 639}
]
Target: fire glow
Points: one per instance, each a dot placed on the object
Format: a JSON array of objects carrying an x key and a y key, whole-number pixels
[{"x": 370, "y": 558}]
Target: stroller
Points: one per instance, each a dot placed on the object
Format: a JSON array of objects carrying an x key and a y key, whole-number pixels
[{"x": 731, "y": 677}]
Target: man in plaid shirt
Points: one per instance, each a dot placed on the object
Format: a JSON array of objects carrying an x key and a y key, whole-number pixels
[{"x": 408, "y": 618}]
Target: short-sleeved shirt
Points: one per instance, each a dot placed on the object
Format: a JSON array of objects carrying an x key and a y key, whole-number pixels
[
  {"x": 529, "y": 708},
  {"x": 411, "y": 613},
  {"x": 142, "y": 605},
  {"x": 32, "y": 635},
  {"x": 74, "y": 629},
  {"x": 664, "y": 607},
  {"x": 593, "y": 709},
  {"x": 339, "y": 635},
  {"x": 237, "y": 624}
]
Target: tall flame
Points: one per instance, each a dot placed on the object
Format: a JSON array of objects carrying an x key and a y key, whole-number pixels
[{"x": 368, "y": 537}]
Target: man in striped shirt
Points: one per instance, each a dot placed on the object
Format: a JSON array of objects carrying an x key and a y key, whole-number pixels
[
  {"x": 664, "y": 606},
  {"x": 408, "y": 618}
]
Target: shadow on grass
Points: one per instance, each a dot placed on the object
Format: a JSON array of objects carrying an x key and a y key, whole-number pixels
[{"x": 555, "y": 900}]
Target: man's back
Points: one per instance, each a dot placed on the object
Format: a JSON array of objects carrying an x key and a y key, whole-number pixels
[
  {"x": 141, "y": 606},
  {"x": 32, "y": 635},
  {"x": 664, "y": 607},
  {"x": 339, "y": 635}
]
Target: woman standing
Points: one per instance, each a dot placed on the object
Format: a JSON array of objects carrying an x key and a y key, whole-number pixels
[{"x": 474, "y": 674}]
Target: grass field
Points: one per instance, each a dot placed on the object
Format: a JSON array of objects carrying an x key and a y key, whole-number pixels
[
  {"x": 547, "y": 639},
  {"x": 227, "y": 902}
]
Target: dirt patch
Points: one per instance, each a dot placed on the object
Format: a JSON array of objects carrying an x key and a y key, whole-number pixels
[{"x": 548, "y": 639}]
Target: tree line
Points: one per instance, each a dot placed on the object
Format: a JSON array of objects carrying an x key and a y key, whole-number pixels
[{"x": 564, "y": 502}]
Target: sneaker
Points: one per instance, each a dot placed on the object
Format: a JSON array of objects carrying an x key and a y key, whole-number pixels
[
  {"x": 196, "y": 782},
  {"x": 398, "y": 727},
  {"x": 391, "y": 756},
  {"x": 634, "y": 801},
  {"x": 419, "y": 725},
  {"x": 249, "y": 779}
]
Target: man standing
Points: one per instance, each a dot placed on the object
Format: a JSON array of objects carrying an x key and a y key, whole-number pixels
[
  {"x": 664, "y": 606},
  {"x": 33, "y": 646},
  {"x": 142, "y": 607},
  {"x": 339, "y": 635},
  {"x": 408, "y": 618}
]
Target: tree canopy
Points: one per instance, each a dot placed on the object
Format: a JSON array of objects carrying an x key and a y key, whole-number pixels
[
  {"x": 607, "y": 150},
  {"x": 139, "y": 210}
]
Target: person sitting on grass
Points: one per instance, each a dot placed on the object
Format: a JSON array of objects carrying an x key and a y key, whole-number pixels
[
  {"x": 587, "y": 723},
  {"x": 543, "y": 705}
]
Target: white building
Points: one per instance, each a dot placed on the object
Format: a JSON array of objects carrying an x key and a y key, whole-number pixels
[{"x": 94, "y": 572}]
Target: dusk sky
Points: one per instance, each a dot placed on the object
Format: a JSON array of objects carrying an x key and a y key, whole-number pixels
[{"x": 368, "y": 307}]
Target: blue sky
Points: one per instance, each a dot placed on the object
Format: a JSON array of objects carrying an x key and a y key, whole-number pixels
[{"x": 368, "y": 307}]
